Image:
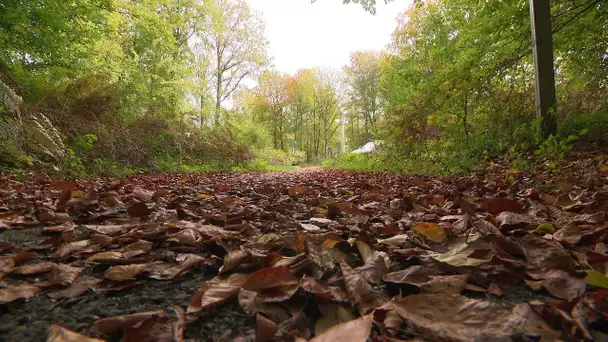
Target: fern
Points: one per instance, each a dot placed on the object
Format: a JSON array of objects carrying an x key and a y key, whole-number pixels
[{"x": 34, "y": 134}]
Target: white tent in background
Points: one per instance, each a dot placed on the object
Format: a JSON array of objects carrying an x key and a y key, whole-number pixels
[{"x": 367, "y": 148}]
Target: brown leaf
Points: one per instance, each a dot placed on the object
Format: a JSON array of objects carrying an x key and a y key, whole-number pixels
[
  {"x": 355, "y": 330},
  {"x": 443, "y": 317},
  {"x": 64, "y": 274},
  {"x": 565, "y": 286},
  {"x": 270, "y": 277},
  {"x": 217, "y": 291},
  {"x": 322, "y": 290},
  {"x": 544, "y": 254},
  {"x": 424, "y": 279},
  {"x": 332, "y": 315},
  {"x": 188, "y": 237},
  {"x": 499, "y": 204},
  {"x": 38, "y": 268},
  {"x": 110, "y": 230},
  {"x": 264, "y": 329},
  {"x": 65, "y": 227},
  {"x": 81, "y": 285},
  {"x": 139, "y": 209},
  {"x": 137, "y": 248},
  {"x": 374, "y": 269},
  {"x": 509, "y": 220},
  {"x": 234, "y": 259},
  {"x": 12, "y": 293},
  {"x": 69, "y": 249},
  {"x": 125, "y": 272},
  {"x": 58, "y": 333},
  {"x": 49, "y": 216},
  {"x": 7, "y": 265},
  {"x": 532, "y": 324},
  {"x": 106, "y": 257},
  {"x": 357, "y": 288},
  {"x": 145, "y": 326},
  {"x": 431, "y": 231},
  {"x": 164, "y": 271}
]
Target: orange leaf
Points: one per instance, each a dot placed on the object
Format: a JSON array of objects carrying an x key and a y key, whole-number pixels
[
  {"x": 125, "y": 272},
  {"x": 431, "y": 231},
  {"x": 58, "y": 333},
  {"x": 268, "y": 278}
]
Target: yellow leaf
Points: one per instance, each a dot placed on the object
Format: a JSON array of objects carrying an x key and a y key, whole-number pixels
[
  {"x": 204, "y": 196},
  {"x": 77, "y": 194},
  {"x": 545, "y": 228},
  {"x": 320, "y": 210},
  {"x": 597, "y": 279},
  {"x": 431, "y": 231},
  {"x": 604, "y": 169}
]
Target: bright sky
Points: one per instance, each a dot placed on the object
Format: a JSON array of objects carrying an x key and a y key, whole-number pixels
[{"x": 305, "y": 35}]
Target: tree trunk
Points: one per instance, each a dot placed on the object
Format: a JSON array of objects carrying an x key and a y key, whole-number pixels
[{"x": 542, "y": 41}]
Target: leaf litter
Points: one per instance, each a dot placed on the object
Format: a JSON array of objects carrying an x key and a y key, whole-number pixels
[{"x": 318, "y": 255}]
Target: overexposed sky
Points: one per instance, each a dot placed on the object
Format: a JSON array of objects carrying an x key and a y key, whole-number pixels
[{"x": 305, "y": 35}]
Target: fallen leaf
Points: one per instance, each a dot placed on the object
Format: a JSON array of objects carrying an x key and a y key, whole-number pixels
[
  {"x": 565, "y": 286},
  {"x": 544, "y": 228},
  {"x": 332, "y": 315},
  {"x": 81, "y": 285},
  {"x": 357, "y": 288},
  {"x": 105, "y": 257},
  {"x": 58, "y": 333},
  {"x": 270, "y": 277},
  {"x": 217, "y": 291},
  {"x": 597, "y": 279},
  {"x": 234, "y": 259},
  {"x": 426, "y": 281},
  {"x": 311, "y": 228},
  {"x": 139, "y": 210},
  {"x": 12, "y": 293},
  {"x": 499, "y": 204},
  {"x": 62, "y": 274},
  {"x": 41, "y": 267},
  {"x": 459, "y": 252},
  {"x": 322, "y": 290},
  {"x": 265, "y": 329},
  {"x": 355, "y": 330},
  {"x": 442, "y": 317},
  {"x": 374, "y": 269},
  {"x": 145, "y": 326},
  {"x": 431, "y": 231},
  {"x": 124, "y": 272}
]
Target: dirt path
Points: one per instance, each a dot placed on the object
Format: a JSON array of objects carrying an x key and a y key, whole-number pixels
[{"x": 341, "y": 243}]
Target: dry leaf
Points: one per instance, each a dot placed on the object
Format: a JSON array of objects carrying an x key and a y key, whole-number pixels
[
  {"x": 431, "y": 231},
  {"x": 355, "y": 330},
  {"x": 217, "y": 291},
  {"x": 124, "y": 272},
  {"x": 270, "y": 277},
  {"x": 12, "y": 293},
  {"x": 58, "y": 333}
]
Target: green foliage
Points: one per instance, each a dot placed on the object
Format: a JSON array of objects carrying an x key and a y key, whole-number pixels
[
  {"x": 555, "y": 147},
  {"x": 458, "y": 85},
  {"x": 116, "y": 81}
]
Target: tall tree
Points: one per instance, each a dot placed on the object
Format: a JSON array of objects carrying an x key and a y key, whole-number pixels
[
  {"x": 236, "y": 45},
  {"x": 363, "y": 77}
]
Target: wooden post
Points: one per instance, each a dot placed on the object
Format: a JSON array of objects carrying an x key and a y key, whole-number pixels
[{"x": 542, "y": 41}]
